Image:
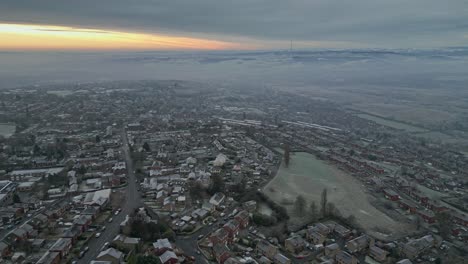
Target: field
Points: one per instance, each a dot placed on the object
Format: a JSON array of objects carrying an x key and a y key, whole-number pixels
[
  {"x": 308, "y": 176},
  {"x": 390, "y": 123},
  {"x": 7, "y": 130}
]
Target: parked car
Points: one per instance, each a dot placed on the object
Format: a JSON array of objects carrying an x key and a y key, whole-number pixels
[
  {"x": 110, "y": 220},
  {"x": 98, "y": 235}
]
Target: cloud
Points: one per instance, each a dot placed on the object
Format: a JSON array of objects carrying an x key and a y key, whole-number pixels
[
  {"x": 40, "y": 37},
  {"x": 379, "y": 23}
]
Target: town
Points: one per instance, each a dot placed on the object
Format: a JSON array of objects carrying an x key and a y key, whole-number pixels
[{"x": 182, "y": 172}]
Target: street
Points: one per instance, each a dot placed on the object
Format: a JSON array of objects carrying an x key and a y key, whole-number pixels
[{"x": 132, "y": 201}]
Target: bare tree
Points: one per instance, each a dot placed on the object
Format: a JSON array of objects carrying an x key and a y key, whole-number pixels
[
  {"x": 323, "y": 203},
  {"x": 313, "y": 211},
  {"x": 300, "y": 205},
  {"x": 287, "y": 154}
]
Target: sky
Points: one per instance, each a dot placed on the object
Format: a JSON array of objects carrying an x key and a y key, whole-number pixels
[{"x": 231, "y": 25}]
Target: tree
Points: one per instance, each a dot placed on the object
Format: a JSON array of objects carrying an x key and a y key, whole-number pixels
[
  {"x": 286, "y": 155},
  {"x": 323, "y": 203},
  {"x": 300, "y": 205},
  {"x": 217, "y": 184},
  {"x": 445, "y": 224},
  {"x": 146, "y": 147},
  {"x": 16, "y": 198},
  {"x": 418, "y": 222},
  {"x": 313, "y": 211},
  {"x": 98, "y": 139},
  {"x": 196, "y": 190},
  {"x": 149, "y": 259}
]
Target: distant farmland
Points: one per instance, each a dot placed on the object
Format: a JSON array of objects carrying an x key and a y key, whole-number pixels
[{"x": 393, "y": 124}]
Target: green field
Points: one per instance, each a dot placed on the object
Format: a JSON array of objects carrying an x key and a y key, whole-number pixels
[
  {"x": 7, "y": 130},
  {"x": 393, "y": 124}
]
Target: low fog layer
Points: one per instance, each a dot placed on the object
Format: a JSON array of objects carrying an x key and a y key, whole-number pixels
[{"x": 434, "y": 68}]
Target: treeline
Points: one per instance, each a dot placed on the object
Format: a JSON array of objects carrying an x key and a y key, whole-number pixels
[{"x": 279, "y": 212}]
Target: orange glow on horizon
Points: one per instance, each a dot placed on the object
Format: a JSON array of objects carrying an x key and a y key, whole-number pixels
[{"x": 47, "y": 37}]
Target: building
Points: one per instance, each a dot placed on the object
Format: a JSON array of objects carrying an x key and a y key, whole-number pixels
[
  {"x": 217, "y": 199},
  {"x": 7, "y": 190},
  {"x": 169, "y": 257},
  {"x": 358, "y": 244},
  {"x": 128, "y": 243},
  {"x": 221, "y": 253},
  {"x": 112, "y": 255},
  {"x": 281, "y": 259},
  {"x": 415, "y": 247},
  {"x": 314, "y": 236},
  {"x": 344, "y": 257},
  {"x": 49, "y": 258},
  {"x": 331, "y": 250},
  {"x": 266, "y": 249},
  {"x": 342, "y": 231},
  {"x": 161, "y": 246},
  {"x": 377, "y": 253},
  {"x": 294, "y": 244},
  {"x": 62, "y": 246},
  {"x": 391, "y": 195}
]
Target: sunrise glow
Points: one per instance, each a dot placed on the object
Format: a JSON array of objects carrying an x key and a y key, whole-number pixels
[{"x": 47, "y": 37}]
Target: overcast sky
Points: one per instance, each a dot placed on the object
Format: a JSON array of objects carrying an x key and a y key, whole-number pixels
[{"x": 273, "y": 23}]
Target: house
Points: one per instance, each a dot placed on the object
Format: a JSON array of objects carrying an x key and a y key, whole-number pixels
[
  {"x": 4, "y": 249},
  {"x": 18, "y": 257},
  {"x": 281, "y": 259},
  {"x": 266, "y": 249},
  {"x": 344, "y": 257},
  {"x": 342, "y": 231},
  {"x": 220, "y": 236},
  {"x": 415, "y": 247},
  {"x": 221, "y": 253},
  {"x": 72, "y": 232},
  {"x": 391, "y": 195},
  {"x": 83, "y": 221},
  {"x": 112, "y": 255},
  {"x": 357, "y": 244},
  {"x": 62, "y": 246},
  {"x": 17, "y": 235},
  {"x": 200, "y": 214},
  {"x": 427, "y": 215},
  {"x": 208, "y": 207},
  {"x": 169, "y": 257},
  {"x": 294, "y": 244},
  {"x": 232, "y": 227},
  {"x": 315, "y": 236},
  {"x": 321, "y": 228},
  {"x": 217, "y": 199},
  {"x": 243, "y": 218},
  {"x": 404, "y": 261},
  {"x": 91, "y": 211},
  {"x": 39, "y": 222},
  {"x": 331, "y": 250},
  {"x": 128, "y": 243},
  {"x": 377, "y": 253},
  {"x": 161, "y": 246},
  {"x": 49, "y": 258},
  {"x": 408, "y": 205},
  {"x": 250, "y": 206},
  {"x": 37, "y": 243}
]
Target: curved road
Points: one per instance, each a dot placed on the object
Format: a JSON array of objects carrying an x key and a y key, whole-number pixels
[{"x": 132, "y": 201}]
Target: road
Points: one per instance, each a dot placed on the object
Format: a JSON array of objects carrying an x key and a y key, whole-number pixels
[
  {"x": 132, "y": 201},
  {"x": 189, "y": 243}
]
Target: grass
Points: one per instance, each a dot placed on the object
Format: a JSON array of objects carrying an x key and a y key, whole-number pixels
[
  {"x": 6, "y": 130},
  {"x": 308, "y": 176}
]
